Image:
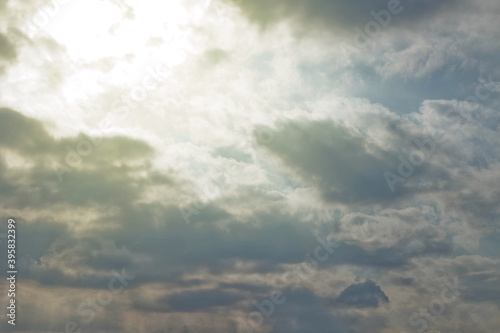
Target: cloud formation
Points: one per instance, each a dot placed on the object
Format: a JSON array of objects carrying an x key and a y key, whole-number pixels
[{"x": 203, "y": 161}]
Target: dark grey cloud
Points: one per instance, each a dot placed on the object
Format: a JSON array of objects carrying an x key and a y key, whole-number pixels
[
  {"x": 165, "y": 252},
  {"x": 337, "y": 15},
  {"x": 344, "y": 165},
  {"x": 175, "y": 249},
  {"x": 268, "y": 241},
  {"x": 254, "y": 289},
  {"x": 104, "y": 175},
  {"x": 351, "y": 254},
  {"x": 192, "y": 301},
  {"x": 188, "y": 301},
  {"x": 362, "y": 295}
]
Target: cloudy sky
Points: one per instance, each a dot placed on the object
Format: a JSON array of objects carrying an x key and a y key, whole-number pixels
[{"x": 239, "y": 166}]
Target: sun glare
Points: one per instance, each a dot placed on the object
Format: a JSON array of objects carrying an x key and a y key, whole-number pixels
[{"x": 90, "y": 34}]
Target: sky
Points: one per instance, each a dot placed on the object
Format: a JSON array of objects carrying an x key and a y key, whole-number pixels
[{"x": 240, "y": 166}]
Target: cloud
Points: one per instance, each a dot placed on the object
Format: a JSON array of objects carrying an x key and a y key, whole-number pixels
[
  {"x": 104, "y": 170},
  {"x": 7, "y": 49},
  {"x": 345, "y": 166},
  {"x": 303, "y": 312},
  {"x": 23, "y": 134},
  {"x": 362, "y": 295},
  {"x": 336, "y": 15},
  {"x": 199, "y": 300}
]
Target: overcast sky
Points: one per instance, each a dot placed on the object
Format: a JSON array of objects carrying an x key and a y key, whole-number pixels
[{"x": 238, "y": 166}]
